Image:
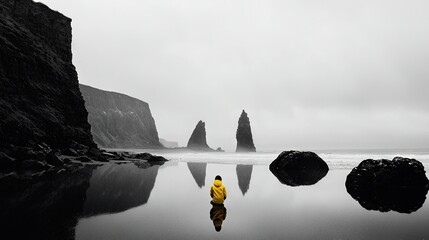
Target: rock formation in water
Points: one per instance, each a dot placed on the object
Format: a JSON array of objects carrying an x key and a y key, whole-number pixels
[
  {"x": 400, "y": 185},
  {"x": 296, "y": 168},
  {"x": 198, "y": 171},
  {"x": 168, "y": 144},
  {"x": 244, "y": 174},
  {"x": 198, "y": 141},
  {"x": 119, "y": 121},
  {"x": 41, "y": 107},
  {"x": 244, "y": 135}
]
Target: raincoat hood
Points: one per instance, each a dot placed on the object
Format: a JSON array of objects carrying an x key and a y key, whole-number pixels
[{"x": 217, "y": 183}]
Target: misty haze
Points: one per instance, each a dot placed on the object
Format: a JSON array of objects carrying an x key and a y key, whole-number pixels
[
  {"x": 201, "y": 119},
  {"x": 315, "y": 75}
]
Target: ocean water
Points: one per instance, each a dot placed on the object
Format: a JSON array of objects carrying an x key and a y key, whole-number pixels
[
  {"x": 336, "y": 159},
  {"x": 172, "y": 201}
]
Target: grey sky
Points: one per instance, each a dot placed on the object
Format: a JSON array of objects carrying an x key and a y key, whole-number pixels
[{"x": 310, "y": 73}]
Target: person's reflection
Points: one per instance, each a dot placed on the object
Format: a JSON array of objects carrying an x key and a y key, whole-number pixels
[{"x": 217, "y": 215}]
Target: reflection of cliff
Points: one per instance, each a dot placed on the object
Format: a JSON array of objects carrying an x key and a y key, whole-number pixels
[
  {"x": 198, "y": 171},
  {"x": 116, "y": 188},
  {"x": 46, "y": 207},
  {"x": 244, "y": 174}
]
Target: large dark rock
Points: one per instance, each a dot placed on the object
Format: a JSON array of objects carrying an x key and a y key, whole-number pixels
[
  {"x": 118, "y": 120},
  {"x": 198, "y": 141},
  {"x": 148, "y": 157},
  {"x": 244, "y": 135},
  {"x": 296, "y": 168},
  {"x": 40, "y": 101},
  {"x": 400, "y": 185}
]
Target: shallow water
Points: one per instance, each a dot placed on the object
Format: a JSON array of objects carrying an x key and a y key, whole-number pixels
[
  {"x": 258, "y": 207},
  {"x": 171, "y": 201}
]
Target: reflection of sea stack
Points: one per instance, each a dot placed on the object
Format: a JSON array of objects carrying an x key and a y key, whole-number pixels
[
  {"x": 244, "y": 135},
  {"x": 244, "y": 174},
  {"x": 198, "y": 171},
  {"x": 198, "y": 141}
]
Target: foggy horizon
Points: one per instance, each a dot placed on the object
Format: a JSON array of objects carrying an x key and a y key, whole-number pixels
[{"x": 310, "y": 75}]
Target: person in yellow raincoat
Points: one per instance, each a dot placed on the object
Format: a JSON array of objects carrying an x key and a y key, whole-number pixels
[
  {"x": 218, "y": 191},
  {"x": 218, "y": 211}
]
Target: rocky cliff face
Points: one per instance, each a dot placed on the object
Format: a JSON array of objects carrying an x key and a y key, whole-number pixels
[
  {"x": 244, "y": 135},
  {"x": 198, "y": 141},
  {"x": 119, "y": 121},
  {"x": 41, "y": 108}
]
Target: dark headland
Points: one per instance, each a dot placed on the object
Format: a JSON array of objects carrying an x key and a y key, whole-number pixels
[
  {"x": 42, "y": 111},
  {"x": 119, "y": 121},
  {"x": 41, "y": 107}
]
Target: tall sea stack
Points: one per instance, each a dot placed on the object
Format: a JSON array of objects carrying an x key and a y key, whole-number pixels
[
  {"x": 118, "y": 120},
  {"x": 244, "y": 135},
  {"x": 198, "y": 141},
  {"x": 41, "y": 107}
]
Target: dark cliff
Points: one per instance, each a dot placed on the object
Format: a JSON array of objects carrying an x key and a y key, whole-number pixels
[
  {"x": 41, "y": 107},
  {"x": 119, "y": 121},
  {"x": 244, "y": 135},
  {"x": 198, "y": 141}
]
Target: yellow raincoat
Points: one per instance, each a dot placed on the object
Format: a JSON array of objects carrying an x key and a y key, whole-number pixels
[{"x": 218, "y": 192}]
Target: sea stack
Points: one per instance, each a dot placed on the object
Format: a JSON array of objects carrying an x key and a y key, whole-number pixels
[
  {"x": 198, "y": 141},
  {"x": 244, "y": 135}
]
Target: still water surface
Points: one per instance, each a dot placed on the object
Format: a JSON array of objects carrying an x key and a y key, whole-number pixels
[{"x": 172, "y": 202}]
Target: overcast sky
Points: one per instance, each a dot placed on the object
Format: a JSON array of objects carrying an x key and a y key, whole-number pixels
[{"x": 311, "y": 74}]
